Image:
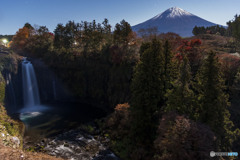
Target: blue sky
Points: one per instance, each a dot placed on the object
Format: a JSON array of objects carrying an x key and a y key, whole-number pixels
[{"x": 15, "y": 13}]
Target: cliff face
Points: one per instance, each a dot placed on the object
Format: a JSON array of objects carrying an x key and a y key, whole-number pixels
[
  {"x": 88, "y": 81},
  {"x": 12, "y": 131},
  {"x": 13, "y": 91},
  {"x": 51, "y": 89},
  {"x": 10, "y": 80}
]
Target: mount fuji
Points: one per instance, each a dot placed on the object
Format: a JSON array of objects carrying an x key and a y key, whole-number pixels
[{"x": 174, "y": 20}]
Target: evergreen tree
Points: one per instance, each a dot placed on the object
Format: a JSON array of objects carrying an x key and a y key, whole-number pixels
[
  {"x": 59, "y": 36},
  {"x": 195, "y": 31},
  {"x": 144, "y": 47},
  {"x": 234, "y": 27},
  {"x": 70, "y": 34},
  {"x": 169, "y": 72},
  {"x": 214, "y": 102},
  {"x": 106, "y": 26},
  {"x": 234, "y": 30},
  {"x": 29, "y": 26},
  {"x": 122, "y": 32},
  {"x": 147, "y": 93},
  {"x": 181, "y": 97}
]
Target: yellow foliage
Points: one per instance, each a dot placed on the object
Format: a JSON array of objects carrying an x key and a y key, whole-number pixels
[{"x": 122, "y": 107}]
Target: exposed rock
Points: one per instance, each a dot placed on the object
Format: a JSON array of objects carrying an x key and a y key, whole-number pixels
[
  {"x": 75, "y": 145},
  {"x": 7, "y": 139}
]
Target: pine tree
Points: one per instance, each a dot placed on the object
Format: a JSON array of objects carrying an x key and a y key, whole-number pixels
[
  {"x": 169, "y": 72},
  {"x": 122, "y": 33},
  {"x": 59, "y": 36},
  {"x": 147, "y": 93},
  {"x": 181, "y": 97},
  {"x": 214, "y": 102}
]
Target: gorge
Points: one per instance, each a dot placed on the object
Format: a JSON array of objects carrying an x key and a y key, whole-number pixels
[{"x": 52, "y": 125}]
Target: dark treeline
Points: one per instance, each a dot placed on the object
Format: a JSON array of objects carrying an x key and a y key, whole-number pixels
[
  {"x": 170, "y": 97},
  {"x": 234, "y": 30},
  {"x": 210, "y": 30},
  {"x": 178, "y": 109},
  {"x": 95, "y": 61}
]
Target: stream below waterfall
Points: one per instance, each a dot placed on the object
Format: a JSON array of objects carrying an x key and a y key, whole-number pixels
[
  {"x": 54, "y": 128},
  {"x": 56, "y": 132}
]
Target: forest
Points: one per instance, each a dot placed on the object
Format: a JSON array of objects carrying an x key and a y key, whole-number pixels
[{"x": 167, "y": 97}]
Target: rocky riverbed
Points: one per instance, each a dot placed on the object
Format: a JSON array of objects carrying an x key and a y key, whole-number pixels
[{"x": 75, "y": 145}]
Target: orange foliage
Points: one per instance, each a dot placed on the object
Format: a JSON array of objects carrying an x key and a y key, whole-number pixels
[
  {"x": 122, "y": 107},
  {"x": 118, "y": 121},
  {"x": 20, "y": 39},
  {"x": 23, "y": 32}
]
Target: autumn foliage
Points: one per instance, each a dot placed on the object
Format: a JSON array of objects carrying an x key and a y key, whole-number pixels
[
  {"x": 183, "y": 139},
  {"x": 20, "y": 39},
  {"x": 189, "y": 46},
  {"x": 192, "y": 49},
  {"x": 120, "y": 116},
  {"x": 230, "y": 66},
  {"x": 174, "y": 39}
]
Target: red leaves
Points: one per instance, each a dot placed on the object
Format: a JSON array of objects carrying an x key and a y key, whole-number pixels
[
  {"x": 51, "y": 34},
  {"x": 178, "y": 56},
  {"x": 195, "y": 42},
  {"x": 188, "y": 47}
]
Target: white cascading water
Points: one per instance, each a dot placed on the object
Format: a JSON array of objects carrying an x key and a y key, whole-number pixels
[
  {"x": 30, "y": 86},
  {"x": 31, "y": 100}
]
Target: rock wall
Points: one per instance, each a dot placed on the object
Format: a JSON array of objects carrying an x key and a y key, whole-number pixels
[
  {"x": 13, "y": 91},
  {"x": 50, "y": 86}
]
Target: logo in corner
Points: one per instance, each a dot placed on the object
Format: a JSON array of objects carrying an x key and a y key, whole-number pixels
[{"x": 212, "y": 154}]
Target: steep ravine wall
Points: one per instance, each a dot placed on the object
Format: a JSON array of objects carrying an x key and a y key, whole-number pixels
[
  {"x": 51, "y": 89},
  {"x": 96, "y": 82},
  {"x": 11, "y": 71},
  {"x": 90, "y": 82}
]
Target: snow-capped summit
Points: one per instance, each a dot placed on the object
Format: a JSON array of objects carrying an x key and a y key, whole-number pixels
[
  {"x": 172, "y": 13},
  {"x": 174, "y": 20}
]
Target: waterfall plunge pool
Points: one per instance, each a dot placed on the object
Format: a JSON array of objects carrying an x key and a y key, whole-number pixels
[
  {"x": 57, "y": 130},
  {"x": 54, "y": 126}
]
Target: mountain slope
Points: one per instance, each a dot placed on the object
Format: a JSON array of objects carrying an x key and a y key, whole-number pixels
[{"x": 174, "y": 20}]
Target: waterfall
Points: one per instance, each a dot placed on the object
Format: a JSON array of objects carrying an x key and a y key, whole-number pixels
[{"x": 30, "y": 87}]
